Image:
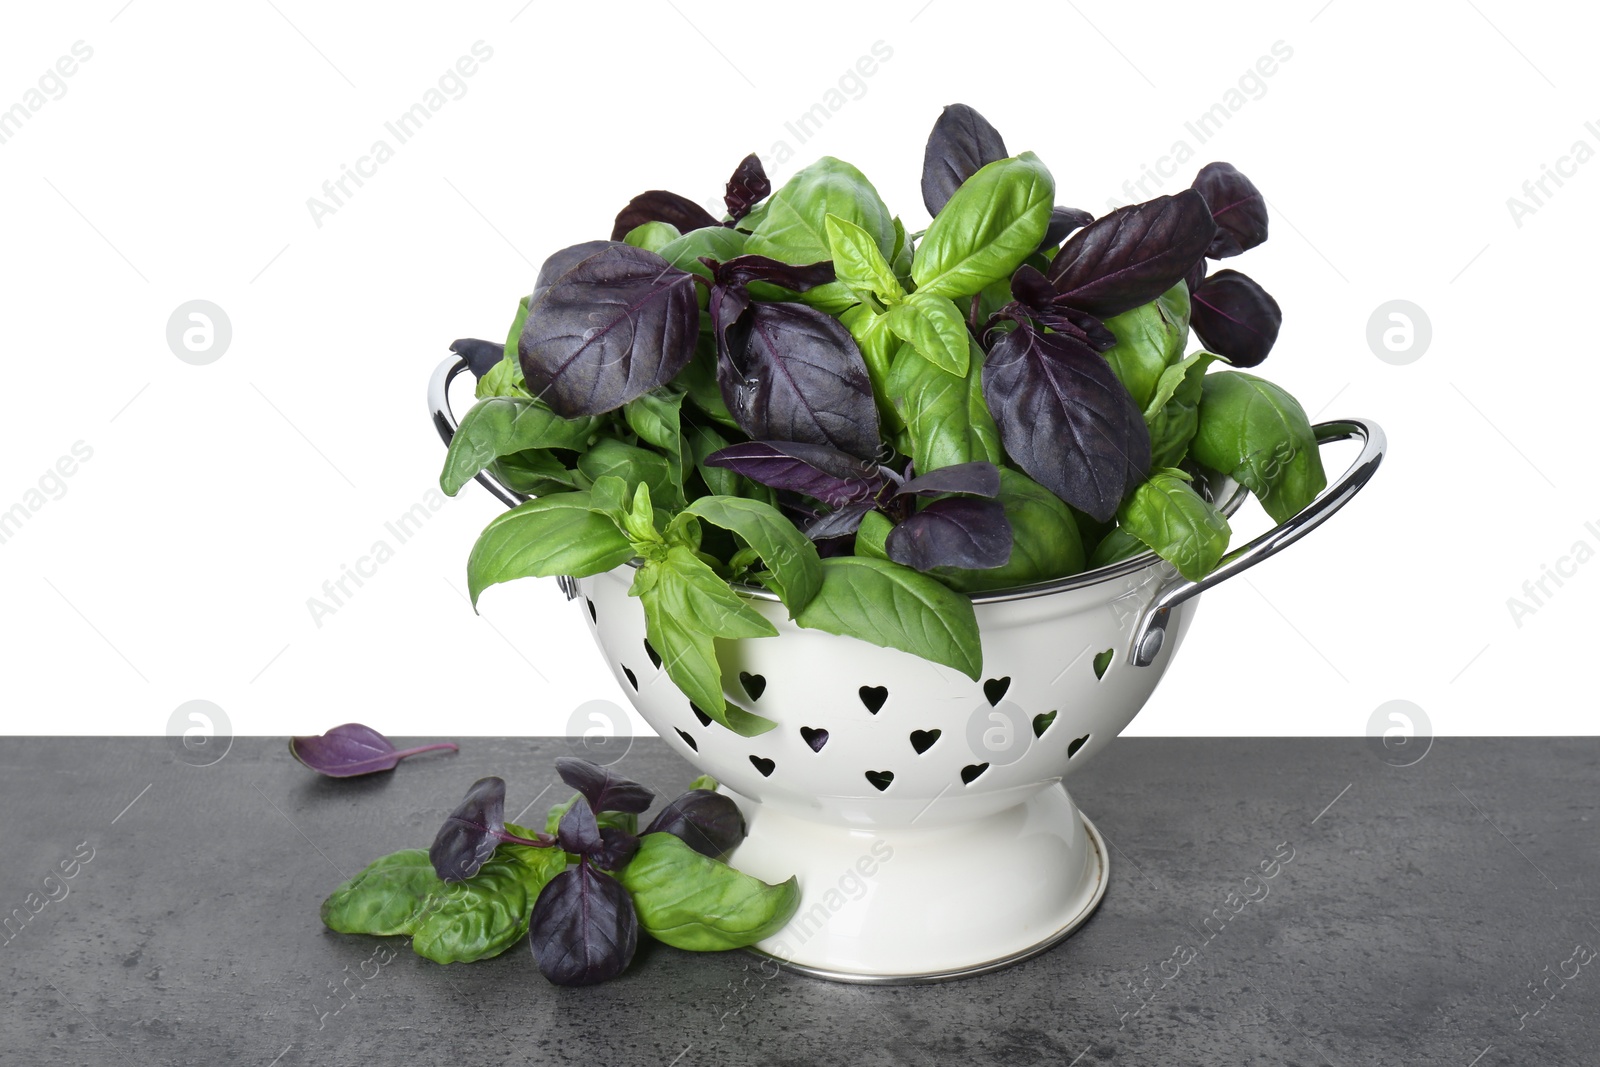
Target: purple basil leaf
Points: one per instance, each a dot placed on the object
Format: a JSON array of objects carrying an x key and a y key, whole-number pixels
[
  {"x": 1063, "y": 220},
  {"x": 1237, "y": 206},
  {"x": 603, "y": 790},
  {"x": 481, "y": 356},
  {"x": 658, "y": 205},
  {"x": 351, "y": 750},
  {"x": 1035, "y": 293},
  {"x": 1065, "y": 419},
  {"x": 961, "y": 144},
  {"x": 1132, "y": 255},
  {"x": 741, "y": 270},
  {"x": 616, "y": 325},
  {"x": 472, "y": 831},
  {"x": 563, "y": 260},
  {"x": 789, "y": 372},
  {"x": 578, "y": 831},
  {"x": 1236, "y": 318},
  {"x": 820, "y": 472},
  {"x": 1196, "y": 275},
  {"x": 584, "y": 928},
  {"x": 980, "y": 478},
  {"x": 748, "y": 187},
  {"x": 707, "y": 822},
  {"x": 616, "y": 848},
  {"x": 957, "y": 532},
  {"x": 840, "y": 522}
]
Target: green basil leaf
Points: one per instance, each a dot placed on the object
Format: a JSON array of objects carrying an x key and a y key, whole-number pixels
[
  {"x": 652, "y": 236},
  {"x": 945, "y": 415},
  {"x": 488, "y": 913},
  {"x": 1180, "y": 525},
  {"x": 878, "y": 345},
  {"x": 720, "y": 243},
  {"x": 984, "y": 232},
  {"x": 892, "y": 606},
  {"x": 788, "y": 553},
  {"x": 1117, "y": 545},
  {"x": 689, "y": 589},
  {"x": 872, "y": 535},
  {"x": 699, "y": 378},
  {"x": 933, "y": 326},
  {"x": 503, "y": 425},
  {"x": 1150, "y": 339},
  {"x": 1184, "y": 374},
  {"x": 505, "y": 377},
  {"x": 543, "y": 538},
  {"x": 634, "y": 465},
  {"x": 1044, "y": 540},
  {"x": 703, "y": 441},
  {"x": 1258, "y": 433},
  {"x": 792, "y": 224},
  {"x": 699, "y": 904},
  {"x": 900, "y": 258},
  {"x": 535, "y": 472},
  {"x": 386, "y": 897},
  {"x": 690, "y": 660},
  {"x": 657, "y": 418},
  {"x": 1173, "y": 414},
  {"x": 858, "y": 263}
]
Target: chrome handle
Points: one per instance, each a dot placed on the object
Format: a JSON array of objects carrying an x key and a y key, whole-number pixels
[
  {"x": 444, "y": 420},
  {"x": 1151, "y": 631}
]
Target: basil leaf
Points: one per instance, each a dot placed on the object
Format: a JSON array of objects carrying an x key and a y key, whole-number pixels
[
  {"x": 748, "y": 186},
  {"x": 658, "y": 205},
  {"x": 657, "y": 418},
  {"x": 953, "y": 532},
  {"x": 1150, "y": 338},
  {"x": 1065, "y": 419},
  {"x": 791, "y": 225},
  {"x": 705, "y": 820},
  {"x": 704, "y": 442},
  {"x": 933, "y": 326},
  {"x": 945, "y": 415},
  {"x": 961, "y": 142},
  {"x": 713, "y": 242},
  {"x": 873, "y": 535},
  {"x": 1236, "y": 317},
  {"x": 787, "y": 553},
  {"x": 505, "y": 377},
  {"x": 1237, "y": 206},
  {"x": 635, "y": 466},
  {"x": 690, "y": 660},
  {"x": 688, "y": 588},
  {"x": 619, "y": 323},
  {"x": 488, "y": 913},
  {"x": 1044, "y": 539},
  {"x": 693, "y": 902},
  {"x": 386, "y": 897},
  {"x": 879, "y": 346},
  {"x": 1173, "y": 414},
  {"x": 1258, "y": 433},
  {"x": 699, "y": 381},
  {"x": 535, "y": 472},
  {"x": 502, "y": 426},
  {"x": 543, "y": 538},
  {"x": 583, "y": 929},
  {"x": 1178, "y": 523},
  {"x": 1117, "y": 545},
  {"x": 653, "y": 236},
  {"x": 858, "y": 263},
  {"x": 1132, "y": 255},
  {"x": 886, "y": 604},
  {"x": 992, "y": 223}
]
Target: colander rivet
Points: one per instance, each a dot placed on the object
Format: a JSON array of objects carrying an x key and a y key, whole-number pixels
[{"x": 1151, "y": 645}]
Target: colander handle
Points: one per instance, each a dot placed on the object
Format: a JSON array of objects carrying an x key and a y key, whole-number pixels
[
  {"x": 444, "y": 420},
  {"x": 1151, "y": 632}
]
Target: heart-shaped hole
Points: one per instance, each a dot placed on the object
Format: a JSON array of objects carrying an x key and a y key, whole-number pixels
[
  {"x": 1077, "y": 743},
  {"x": 1102, "y": 660},
  {"x": 688, "y": 740},
  {"x": 970, "y": 773},
  {"x": 753, "y": 684},
  {"x": 815, "y": 738},
  {"x": 763, "y": 765},
  {"x": 880, "y": 779},
  {"x": 594, "y": 618},
  {"x": 922, "y": 740},
  {"x": 873, "y": 696},
  {"x": 1041, "y": 723},
  {"x": 626, "y": 673},
  {"x": 995, "y": 689},
  {"x": 649, "y": 650},
  {"x": 705, "y": 720}
]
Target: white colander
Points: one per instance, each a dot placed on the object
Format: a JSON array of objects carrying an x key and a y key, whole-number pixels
[{"x": 925, "y": 813}]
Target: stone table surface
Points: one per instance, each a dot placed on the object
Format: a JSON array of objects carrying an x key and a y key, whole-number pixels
[{"x": 1440, "y": 913}]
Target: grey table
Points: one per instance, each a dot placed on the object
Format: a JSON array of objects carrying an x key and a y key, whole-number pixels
[{"x": 1440, "y": 913}]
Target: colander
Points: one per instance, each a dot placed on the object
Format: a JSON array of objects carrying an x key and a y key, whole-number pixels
[{"x": 927, "y": 814}]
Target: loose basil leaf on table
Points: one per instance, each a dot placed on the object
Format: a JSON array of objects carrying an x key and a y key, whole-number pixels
[
  {"x": 473, "y": 831},
  {"x": 353, "y": 749},
  {"x": 1258, "y": 433},
  {"x": 604, "y": 789},
  {"x": 488, "y": 913},
  {"x": 703, "y": 819},
  {"x": 543, "y": 538},
  {"x": 617, "y": 324},
  {"x": 1065, "y": 419},
  {"x": 693, "y": 902},
  {"x": 1237, "y": 318},
  {"x": 583, "y": 929},
  {"x": 989, "y": 226},
  {"x": 886, "y": 604},
  {"x": 386, "y": 897},
  {"x": 961, "y": 143},
  {"x": 1132, "y": 255},
  {"x": 1180, "y": 525},
  {"x": 505, "y": 425}
]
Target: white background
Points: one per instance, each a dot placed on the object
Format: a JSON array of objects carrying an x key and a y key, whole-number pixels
[{"x": 178, "y": 163}]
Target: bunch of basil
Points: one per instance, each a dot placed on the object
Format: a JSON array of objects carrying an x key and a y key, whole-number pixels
[
  {"x": 582, "y": 890},
  {"x": 871, "y": 423}
]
